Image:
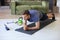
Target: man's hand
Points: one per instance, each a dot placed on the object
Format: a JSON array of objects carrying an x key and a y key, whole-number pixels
[{"x": 25, "y": 28}]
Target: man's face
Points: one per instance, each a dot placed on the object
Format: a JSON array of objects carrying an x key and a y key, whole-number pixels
[{"x": 26, "y": 17}]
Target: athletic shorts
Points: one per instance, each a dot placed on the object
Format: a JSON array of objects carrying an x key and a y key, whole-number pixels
[{"x": 44, "y": 17}]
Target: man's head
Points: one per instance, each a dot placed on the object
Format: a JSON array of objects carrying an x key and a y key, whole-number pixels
[{"x": 26, "y": 14}]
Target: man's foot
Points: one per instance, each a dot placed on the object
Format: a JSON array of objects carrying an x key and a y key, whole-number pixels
[{"x": 53, "y": 18}]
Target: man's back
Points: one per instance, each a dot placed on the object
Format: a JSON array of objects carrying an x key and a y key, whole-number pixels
[{"x": 35, "y": 15}]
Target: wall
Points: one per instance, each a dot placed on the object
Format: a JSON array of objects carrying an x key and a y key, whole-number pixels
[
  {"x": 58, "y": 4},
  {"x": 51, "y": 5}
]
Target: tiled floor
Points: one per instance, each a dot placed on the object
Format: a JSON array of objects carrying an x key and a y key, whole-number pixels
[{"x": 50, "y": 32}]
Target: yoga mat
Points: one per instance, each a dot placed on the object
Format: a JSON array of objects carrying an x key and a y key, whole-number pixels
[{"x": 30, "y": 32}]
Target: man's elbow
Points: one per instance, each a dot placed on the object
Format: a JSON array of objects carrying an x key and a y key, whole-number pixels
[{"x": 37, "y": 28}]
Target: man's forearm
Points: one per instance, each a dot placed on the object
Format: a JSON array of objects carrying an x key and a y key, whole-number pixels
[
  {"x": 30, "y": 28},
  {"x": 33, "y": 28}
]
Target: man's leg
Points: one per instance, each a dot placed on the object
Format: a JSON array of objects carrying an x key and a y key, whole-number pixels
[{"x": 44, "y": 17}]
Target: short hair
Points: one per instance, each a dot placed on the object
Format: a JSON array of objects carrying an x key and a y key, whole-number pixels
[{"x": 26, "y": 12}]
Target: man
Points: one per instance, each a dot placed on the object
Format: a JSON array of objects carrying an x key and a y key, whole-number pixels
[{"x": 35, "y": 16}]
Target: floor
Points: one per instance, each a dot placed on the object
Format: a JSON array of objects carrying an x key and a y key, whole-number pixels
[
  {"x": 50, "y": 32},
  {"x": 5, "y": 13}
]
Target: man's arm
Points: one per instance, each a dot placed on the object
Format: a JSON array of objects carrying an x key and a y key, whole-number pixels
[
  {"x": 31, "y": 28},
  {"x": 25, "y": 25},
  {"x": 36, "y": 27}
]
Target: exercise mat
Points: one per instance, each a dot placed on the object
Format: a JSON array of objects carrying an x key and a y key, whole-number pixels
[{"x": 42, "y": 24}]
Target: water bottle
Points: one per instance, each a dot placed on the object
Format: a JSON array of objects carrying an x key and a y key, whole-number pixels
[{"x": 20, "y": 21}]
